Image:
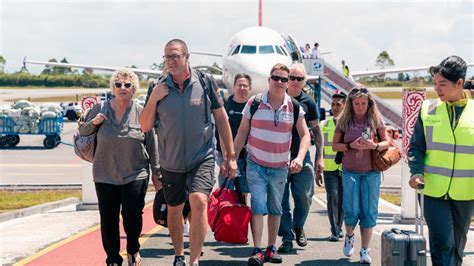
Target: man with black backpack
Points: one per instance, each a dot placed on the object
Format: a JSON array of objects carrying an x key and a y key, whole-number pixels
[
  {"x": 267, "y": 124},
  {"x": 179, "y": 107}
]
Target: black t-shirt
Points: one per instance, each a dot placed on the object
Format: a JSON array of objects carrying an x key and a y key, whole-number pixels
[
  {"x": 311, "y": 113},
  {"x": 234, "y": 111}
]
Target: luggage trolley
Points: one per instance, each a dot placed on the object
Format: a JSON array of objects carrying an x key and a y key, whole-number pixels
[{"x": 51, "y": 127}]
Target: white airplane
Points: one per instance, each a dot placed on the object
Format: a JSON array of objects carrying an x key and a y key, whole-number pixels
[{"x": 252, "y": 51}]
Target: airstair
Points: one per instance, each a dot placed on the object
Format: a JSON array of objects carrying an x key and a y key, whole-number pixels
[{"x": 333, "y": 80}]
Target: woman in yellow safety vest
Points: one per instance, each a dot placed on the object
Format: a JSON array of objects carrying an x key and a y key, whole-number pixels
[{"x": 441, "y": 155}]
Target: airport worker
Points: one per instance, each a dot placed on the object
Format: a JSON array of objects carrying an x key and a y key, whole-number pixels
[
  {"x": 441, "y": 156},
  {"x": 233, "y": 107},
  {"x": 268, "y": 132},
  {"x": 359, "y": 123},
  {"x": 124, "y": 157},
  {"x": 332, "y": 170},
  {"x": 182, "y": 106},
  {"x": 300, "y": 184},
  {"x": 344, "y": 69}
]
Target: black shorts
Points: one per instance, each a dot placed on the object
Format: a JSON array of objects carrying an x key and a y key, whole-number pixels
[{"x": 177, "y": 186}]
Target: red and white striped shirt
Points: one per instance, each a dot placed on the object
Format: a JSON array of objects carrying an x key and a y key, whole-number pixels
[{"x": 269, "y": 140}]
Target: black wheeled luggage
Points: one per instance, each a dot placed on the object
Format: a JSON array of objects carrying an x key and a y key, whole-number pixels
[{"x": 403, "y": 247}]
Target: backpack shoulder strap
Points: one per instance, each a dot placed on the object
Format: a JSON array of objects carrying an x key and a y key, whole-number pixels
[
  {"x": 255, "y": 103},
  {"x": 206, "y": 86},
  {"x": 296, "y": 110}
]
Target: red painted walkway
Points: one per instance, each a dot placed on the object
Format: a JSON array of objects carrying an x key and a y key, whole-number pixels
[{"x": 85, "y": 248}]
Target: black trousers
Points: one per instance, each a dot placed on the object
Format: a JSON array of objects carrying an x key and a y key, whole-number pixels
[
  {"x": 448, "y": 223},
  {"x": 131, "y": 198}
]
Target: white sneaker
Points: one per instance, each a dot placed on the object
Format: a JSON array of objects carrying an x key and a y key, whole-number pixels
[
  {"x": 364, "y": 256},
  {"x": 186, "y": 229},
  {"x": 348, "y": 248}
]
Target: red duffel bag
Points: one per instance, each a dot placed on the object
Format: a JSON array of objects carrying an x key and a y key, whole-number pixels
[{"x": 228, "y": 215}]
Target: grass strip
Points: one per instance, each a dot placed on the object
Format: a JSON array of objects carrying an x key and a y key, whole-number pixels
[{"x": 13, "y": 200}]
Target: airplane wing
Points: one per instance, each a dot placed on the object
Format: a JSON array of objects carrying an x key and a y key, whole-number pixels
[
  {"x": 105, "y": 68},
  {"x": 217, "y": 77},
  {"x": 392, "y": 70}
]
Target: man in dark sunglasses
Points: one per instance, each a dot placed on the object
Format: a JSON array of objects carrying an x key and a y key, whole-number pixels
[
  {"x": 301, "y": 184},
  {"x": 180, "y": 105},
  {"x": 268, "y": 156}
]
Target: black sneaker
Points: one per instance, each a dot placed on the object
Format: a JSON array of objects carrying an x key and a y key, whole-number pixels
[
  {"x": 179, "y": 261},
  {"x": 300, "y": 237},
  {"x": 286, "y": 247},
  {"x": 333, "y": 238},
  {"x": 257, "y": 258},
  {"x": 271, "y": 255}
]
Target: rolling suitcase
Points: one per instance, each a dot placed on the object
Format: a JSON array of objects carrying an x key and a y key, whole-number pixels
[{"x": 403, "y": 247}]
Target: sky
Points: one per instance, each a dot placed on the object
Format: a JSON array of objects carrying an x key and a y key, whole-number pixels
[{"x": 124, "y": 33}]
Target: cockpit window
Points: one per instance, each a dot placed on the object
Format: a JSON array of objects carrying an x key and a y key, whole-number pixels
[
  {"x": 266, "y": 49},
  {"x": 278, "y": 50},
  {"x": 231, "y": 50},
  {"x": 248, "y": 49},
  {"x": 236, "y": 50}
]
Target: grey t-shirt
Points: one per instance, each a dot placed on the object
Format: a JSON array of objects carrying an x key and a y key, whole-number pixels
[
  {"x": 123, "y": 153},
  {"x": 183, "y": 124}
]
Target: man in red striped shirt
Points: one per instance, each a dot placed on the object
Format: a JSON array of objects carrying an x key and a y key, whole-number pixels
[{"x": 268, "y": 132}]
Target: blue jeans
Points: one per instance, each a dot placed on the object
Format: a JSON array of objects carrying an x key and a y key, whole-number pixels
[
  {"x": 333, "y": 185},
  {"x": 302, "y": 190},
  {"x": 241, "y": 174},
  {"x": 360, "y": 198},
  {"x": 266, "y": 185}
]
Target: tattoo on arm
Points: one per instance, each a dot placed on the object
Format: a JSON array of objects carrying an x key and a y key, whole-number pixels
[{"x": 318, "y": 138}]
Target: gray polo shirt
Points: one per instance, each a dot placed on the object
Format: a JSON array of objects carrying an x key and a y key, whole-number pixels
[
  {"x": 123, "y": 153},
  {"x": 185, "y": 138}
]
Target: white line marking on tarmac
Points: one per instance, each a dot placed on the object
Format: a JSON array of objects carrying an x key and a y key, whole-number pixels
[{"x": 41, "y": 165}]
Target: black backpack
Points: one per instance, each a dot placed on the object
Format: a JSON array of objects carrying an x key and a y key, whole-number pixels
[{"x": 258, "y": 99}]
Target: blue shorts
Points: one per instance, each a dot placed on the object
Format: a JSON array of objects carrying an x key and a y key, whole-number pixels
[
  {"x": 266, "y": 185},
  {"x": 360, "y": 198}
]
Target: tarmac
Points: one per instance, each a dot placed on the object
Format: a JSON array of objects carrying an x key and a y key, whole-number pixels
[{"x": 66, "y": 236}]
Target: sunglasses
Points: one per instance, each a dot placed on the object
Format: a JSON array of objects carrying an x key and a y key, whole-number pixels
[
  {"x": 278, "y": 78},
  {"x": 174, "y": 57},
  {"x": 357, "y": 90},
  {"x": 126, "y": 85},
  {"x": 296, "y": 78}
]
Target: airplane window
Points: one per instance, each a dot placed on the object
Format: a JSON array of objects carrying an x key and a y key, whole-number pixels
[
  {"x": 231, "y": 50},
  {"x": 248, "y": 49},
  {"x": 266, "y": 49},
  {"x": 283, "y": 50},
  {"x": 278, "y": 50},
  {"x": 236, "y": 51}
]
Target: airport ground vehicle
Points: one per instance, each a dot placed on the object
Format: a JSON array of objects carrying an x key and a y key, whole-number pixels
[
  {"x": 71, "y": 111},
  {"x": 48, "y": 126}
]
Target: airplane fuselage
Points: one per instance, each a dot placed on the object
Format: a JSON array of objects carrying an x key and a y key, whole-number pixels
[{"x": 254, "y": 51}]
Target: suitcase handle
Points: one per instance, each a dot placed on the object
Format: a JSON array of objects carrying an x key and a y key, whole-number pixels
[{"x": 419, "y": 217}]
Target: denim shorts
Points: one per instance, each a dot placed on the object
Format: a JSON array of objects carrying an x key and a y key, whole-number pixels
[
  {"x": 266, "y": 185},
  {"x": 241, "y": 174},
  {"x": 360, "y": 198}
]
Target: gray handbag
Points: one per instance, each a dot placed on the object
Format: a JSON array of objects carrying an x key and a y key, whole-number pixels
[{"x": 84, "y": 146}]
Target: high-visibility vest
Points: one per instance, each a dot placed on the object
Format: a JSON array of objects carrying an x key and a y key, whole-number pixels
[
  {"x": 328, "y": 127},
  {"x": 449, "y": 158}
]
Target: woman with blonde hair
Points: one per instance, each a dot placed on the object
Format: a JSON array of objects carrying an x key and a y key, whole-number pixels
[
  {"x": 123, "y": 158},
  {"x": 359, "y": 124}
]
